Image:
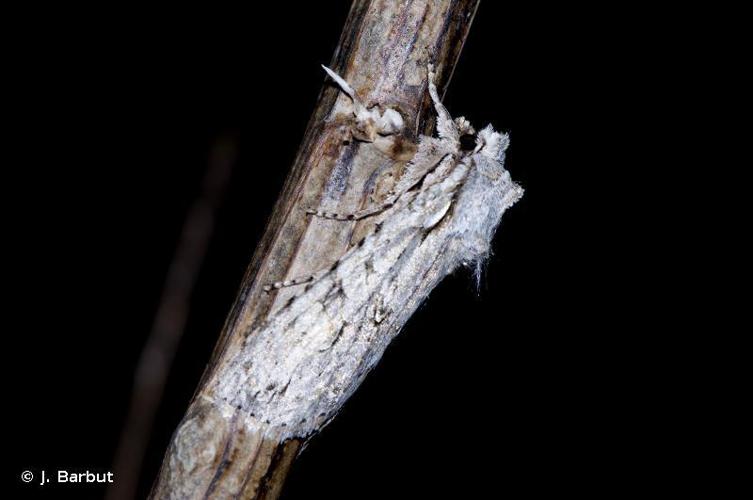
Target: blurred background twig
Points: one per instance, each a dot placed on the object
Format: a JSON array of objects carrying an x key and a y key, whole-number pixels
[{"x": 167, "y": 329}]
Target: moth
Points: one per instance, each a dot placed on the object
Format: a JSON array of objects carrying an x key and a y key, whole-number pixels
[{"x": 296, "y": 370}]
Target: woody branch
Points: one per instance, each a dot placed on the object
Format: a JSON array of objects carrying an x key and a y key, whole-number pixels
[{"x": 383, "y": 53}]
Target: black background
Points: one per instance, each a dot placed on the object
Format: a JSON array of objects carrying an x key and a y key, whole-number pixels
[{"x": 543, "y": 382}]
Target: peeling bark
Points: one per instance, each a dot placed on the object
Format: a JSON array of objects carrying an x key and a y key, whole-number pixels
[{"x": 383, "y": 53}]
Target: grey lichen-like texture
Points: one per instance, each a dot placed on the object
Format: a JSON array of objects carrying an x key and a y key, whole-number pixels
[{"x": 296, "y": 370}]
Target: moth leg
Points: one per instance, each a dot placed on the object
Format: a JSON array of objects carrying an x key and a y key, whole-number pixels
[
  {"x": 301, "y": 280},
  {"x": 446, "y": 127},
  {"x": 360, "y": 214},
  {"x": 295, "y": 281}
]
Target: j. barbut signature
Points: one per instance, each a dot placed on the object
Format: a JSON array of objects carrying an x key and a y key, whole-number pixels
[{"x": 64, "y": 476}]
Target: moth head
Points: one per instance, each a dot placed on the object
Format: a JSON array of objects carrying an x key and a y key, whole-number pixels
[
  {"x": 368, "y": 123},
  {"x": 364, "y": 129}
]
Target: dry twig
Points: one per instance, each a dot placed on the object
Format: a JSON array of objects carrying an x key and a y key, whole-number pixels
[{"x": 383, "y": 53}]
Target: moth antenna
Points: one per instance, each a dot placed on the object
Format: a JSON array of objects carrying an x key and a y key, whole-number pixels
[
  {"x": 358, "y": 107},
  {"x": 342, "y": 83}
]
